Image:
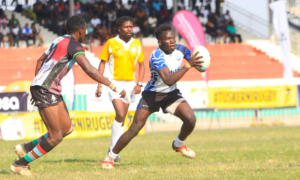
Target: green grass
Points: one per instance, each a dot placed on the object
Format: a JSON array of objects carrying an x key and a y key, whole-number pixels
[{"x": 263, "y": 153}]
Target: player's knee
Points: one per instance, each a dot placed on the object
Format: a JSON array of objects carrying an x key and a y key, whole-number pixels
[
  {"x": 55, "y": 140},
  {"x": 120, "y": 116},
  {"x": 191, "y": 121}
]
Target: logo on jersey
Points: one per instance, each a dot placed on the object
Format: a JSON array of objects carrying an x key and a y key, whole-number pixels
[
  {"x": 79, "y": 48},
  {"x": 133, "y": 50},
  {"x": 53, "y": 99},
  {"x": 117, "y": 49}
]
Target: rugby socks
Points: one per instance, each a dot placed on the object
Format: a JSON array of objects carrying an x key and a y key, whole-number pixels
[
  {"x": 29, "y": 146},
  {"x": 41, "y": 149},
  {"x": 116, "y": 132},
  {"x": 178, "y": 143},
  {"x": 112, "y": 155}
]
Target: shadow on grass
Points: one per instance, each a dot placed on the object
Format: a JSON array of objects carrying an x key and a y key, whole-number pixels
[
  {"x": 4, "y": 172},
  {"x": 70, "y": 160}
]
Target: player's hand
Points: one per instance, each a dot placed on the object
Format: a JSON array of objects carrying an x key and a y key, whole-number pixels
[
  {"x": 137, "y": 89},
  {"x": 195, "y": 60},
  {"x": 98, "y": 91},
  {"x": 32, "y": 101},
  {"x": 122, "y": 93}
]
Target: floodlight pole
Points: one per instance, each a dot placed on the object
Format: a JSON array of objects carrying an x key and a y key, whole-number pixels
[{"x": 71, "y": 7}]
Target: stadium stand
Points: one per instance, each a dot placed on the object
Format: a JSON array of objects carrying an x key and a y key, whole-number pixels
[{"x": 229, "y": 61}]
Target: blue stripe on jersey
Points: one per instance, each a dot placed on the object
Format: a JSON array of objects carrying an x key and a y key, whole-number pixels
[
  {"x": 186, "y": 52},
  {"x": 158, "y": 59}
]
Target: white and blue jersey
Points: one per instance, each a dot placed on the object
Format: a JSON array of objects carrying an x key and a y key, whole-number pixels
[{"x": 159, "y": 60}]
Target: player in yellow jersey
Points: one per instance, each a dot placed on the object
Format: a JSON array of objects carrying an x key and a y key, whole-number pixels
[{"x": 119, "y": 57}]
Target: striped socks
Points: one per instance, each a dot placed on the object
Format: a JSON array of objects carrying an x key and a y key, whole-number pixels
[
  {"x": 41, "y": 149},
  {"x": 29, "y": 146}
]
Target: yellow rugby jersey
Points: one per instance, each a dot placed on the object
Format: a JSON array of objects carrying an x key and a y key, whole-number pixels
[{"x": 121, "y": 58}]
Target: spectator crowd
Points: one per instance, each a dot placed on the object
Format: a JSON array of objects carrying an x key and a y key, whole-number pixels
[{"x": 101, "y": 16}]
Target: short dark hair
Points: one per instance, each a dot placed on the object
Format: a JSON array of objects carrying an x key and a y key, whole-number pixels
[
  {"x": 122, "y": 19},
  {"x": 161, "y": 29},
  {"x": 74, "y": 23}
]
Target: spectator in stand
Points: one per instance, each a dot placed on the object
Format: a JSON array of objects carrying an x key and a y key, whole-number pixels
[
  {"x": 15, "y": 32},
  {"x": 112, "y": 17},
  {"x": 122, "y": 12},
  {"x": 128, "y": 6},
  {"x": 28, "y": 11},
  {"x": 232, "y": 33},
  {"x": 13, "y": 21},
  {"x": 36, "y": 35},
  {"x": 227, "y": 16},
  {"x": 60, "y": 6},
  {"x": 5, "y": 35},
  {"x": 136, "y": 31},
  {"x": 164, "y": 13},
  {"x": 39, "y": 11},
  {"x": 77, "y": 7},
  {"x": 141, "y": 14},
  {"x": 152, "y": 24},
  {"x": 3, "y": 19},
  {"x": 61, "y": 26},
  {"x": 95, "y": 21},
  {"x": 89, "y": 28},
  {"x": 180, "y": 5},
  {"x": 156, "y": 5},
  {"x": 50, "y": 11},
  {"x": 27, "y": 34}
]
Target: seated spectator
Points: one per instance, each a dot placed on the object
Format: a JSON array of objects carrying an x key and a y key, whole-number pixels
[
  {"x": 101, "y": 33},
  {"x": 77, "y": 7},
  {"x": 36, "y": 35},
  {"x": 128, "y": 6},
  {"x": 141, "y": 14},
  {"x": 122, "y": 12},
  {"x": 95, "y": 21},
  {"x": 61, "y": 26},
  {"x": 15, "y": 33},
  {"x": 227, "y": 16},
  {"x": 180, "y": 4},
  {"x": 3, "y": 19},
  {"x": 232, "y": 33},
  {"x": 211, "y": 29},
  {"x": 39, "y": 11},
  {"x": 136, "y": 31},
  {"x": 156, "y": 5},
  {"x": 112, "y": 17},
  {"x": 13, "y": 21},
  {"x": 26, "y": 34},
  {"x": 164, "y": 13},
  {"x": 60, "y": 6},
  {"x": 5, "y": 35},
  {"x": 28, "y": 11},
  {"x": 152, "y": 24}
]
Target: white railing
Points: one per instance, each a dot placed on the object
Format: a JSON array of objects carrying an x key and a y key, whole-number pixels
[{"x": 249, "y": 21}]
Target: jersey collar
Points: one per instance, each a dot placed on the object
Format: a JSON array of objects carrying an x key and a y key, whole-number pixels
[{"x": 125, "y": 45}]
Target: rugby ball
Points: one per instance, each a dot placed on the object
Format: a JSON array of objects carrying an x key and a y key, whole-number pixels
[{"x": 206, "y": 57}]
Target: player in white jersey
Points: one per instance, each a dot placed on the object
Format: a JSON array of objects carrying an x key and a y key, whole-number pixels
[{"x": 161, "y": 92}]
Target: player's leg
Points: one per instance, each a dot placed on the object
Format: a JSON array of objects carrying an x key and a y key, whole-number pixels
[
  {"x": 186, "y": 114},
  {"x": 22, "y": 149},
  {"x": 58, "y": 123},
  {"x": 138, "y": 123}
]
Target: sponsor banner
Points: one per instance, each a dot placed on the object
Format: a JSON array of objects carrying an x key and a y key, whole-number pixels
[
  {"x": 13, "y": 101},
  {"x": 85, "y": 124},
  {"x": 2, "y": 118},
  {"x": 253, "y": 97},
  {"x": 281, "y": 27},
  {"x": 190, "y": 28}
]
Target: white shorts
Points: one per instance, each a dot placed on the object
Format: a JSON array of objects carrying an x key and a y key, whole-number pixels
[{"x": 123, "y": 85}]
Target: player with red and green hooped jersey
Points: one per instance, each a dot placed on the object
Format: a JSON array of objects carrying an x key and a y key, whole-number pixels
[{"x": 45, "y": 89}]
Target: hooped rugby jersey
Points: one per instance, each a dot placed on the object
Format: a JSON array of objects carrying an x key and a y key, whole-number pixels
[
  {"x": 159, "y": 60},
  {"x": 121, "y": 58},
  {"x": 59, "y": 60}
]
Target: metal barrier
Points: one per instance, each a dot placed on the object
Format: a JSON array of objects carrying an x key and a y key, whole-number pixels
[
  {"x": 249, "y": 21},
  {"x": 227, "y": 119}
]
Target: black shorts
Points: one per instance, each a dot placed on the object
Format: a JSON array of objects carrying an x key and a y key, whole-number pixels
[
  {"x": 43, "y": 98},
  {"x": 152, "y": 101}
]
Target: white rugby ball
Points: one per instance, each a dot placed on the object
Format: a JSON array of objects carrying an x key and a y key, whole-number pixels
[{"x": 206, "y": 57}]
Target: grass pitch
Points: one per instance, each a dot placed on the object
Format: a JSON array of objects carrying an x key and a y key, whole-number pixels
[{"x": 265, "y": 153}]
